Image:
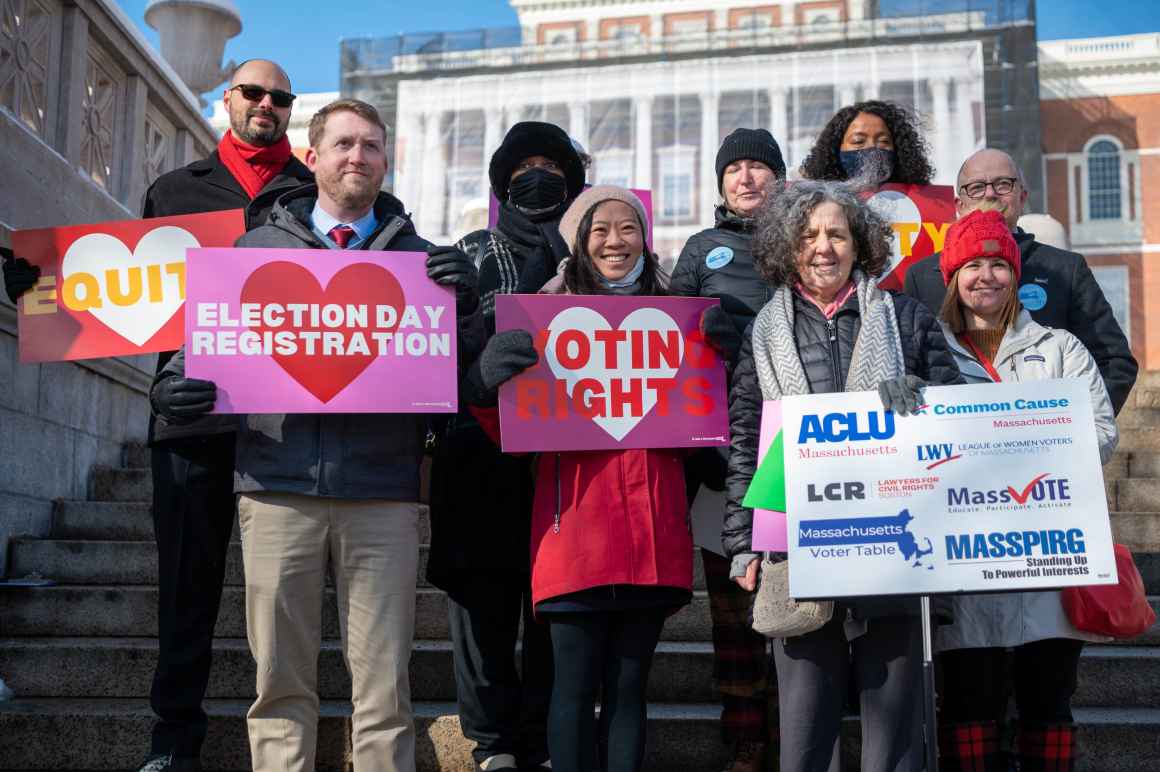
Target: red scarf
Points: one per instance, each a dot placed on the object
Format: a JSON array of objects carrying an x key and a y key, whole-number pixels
[{"x": 251, "y": 166}]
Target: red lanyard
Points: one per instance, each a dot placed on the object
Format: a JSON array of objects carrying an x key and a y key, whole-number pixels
[{"x": 986, "y": 363}]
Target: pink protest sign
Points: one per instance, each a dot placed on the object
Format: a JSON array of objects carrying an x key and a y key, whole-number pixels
[
  {"x": 312, "y": 331},
  {"x": 614, "y": 372},
  {"x": 769, "y": 525},
  {"x": 645, "y": 197}
]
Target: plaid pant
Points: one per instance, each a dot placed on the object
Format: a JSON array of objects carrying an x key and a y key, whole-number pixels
[
  {"x": 1046, "y": 747},
  {"x": 969, "y": 747},
  {"x": 742, "y": 667}
]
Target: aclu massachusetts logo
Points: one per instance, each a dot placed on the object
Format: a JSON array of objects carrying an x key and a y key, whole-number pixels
[
  {"x": 1041, "y": 492},
  {"x": 863, "y": 537},
  {"x": 848, "y": 430}
]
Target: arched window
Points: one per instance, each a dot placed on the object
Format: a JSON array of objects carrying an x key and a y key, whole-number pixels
[{"x": 1104, "y": 180}]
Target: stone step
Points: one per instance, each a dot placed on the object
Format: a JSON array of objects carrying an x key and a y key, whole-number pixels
[
  {"x": 110, "y": 734},
  {"x": 682, "y": 672},
  {"x": 1143, "y": 464},
  {"x": 1139, "y": 416},
  {"x": 1143, "y": 439},
  {"x": 1138, "y": 494},
  {"x": 120, "y": 484},
  {"x": 133, "y": 521},
  {"x": 72, "y": 561},
  {"x": 131, "y": 612},
  {"x": 1138, "y": 531}
]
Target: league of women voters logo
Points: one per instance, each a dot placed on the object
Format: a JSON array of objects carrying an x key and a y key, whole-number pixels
[
  {"x": 614, "y": 372},
  {"x": 864, "y": 537},
  {"x": 112, "y": 289},
  {"x": 297, "y": 331}
]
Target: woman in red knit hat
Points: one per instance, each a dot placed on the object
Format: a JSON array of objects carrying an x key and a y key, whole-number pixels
[{"x": 994, "y": 339}]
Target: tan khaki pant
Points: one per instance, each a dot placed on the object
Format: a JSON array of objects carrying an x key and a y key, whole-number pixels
[{"x": 373, "y": 547}]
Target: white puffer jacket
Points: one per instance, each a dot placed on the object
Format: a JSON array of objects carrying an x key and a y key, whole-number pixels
[{"x": 1029, "y": 352}]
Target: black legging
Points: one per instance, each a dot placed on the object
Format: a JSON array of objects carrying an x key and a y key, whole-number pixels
[
  {"x": 592, "y": 649},
  {"x": 1044, "y": 675}
]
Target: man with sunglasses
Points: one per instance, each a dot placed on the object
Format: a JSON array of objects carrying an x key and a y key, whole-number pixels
[
  {"x": 1056, "y": 285},
  {"x": 193, "y": 460}
]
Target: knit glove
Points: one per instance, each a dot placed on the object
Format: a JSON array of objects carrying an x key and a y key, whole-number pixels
[
  {"x": 903, "y": 395},
  {"x": 182, "y": 399},
  {"x": 450, "y": 267},
  {"x": 19, "y": 274},
  {"x": 504, "y": 357},
  {"x": 721, "y": 333}
]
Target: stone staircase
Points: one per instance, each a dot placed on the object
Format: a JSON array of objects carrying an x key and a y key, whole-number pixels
[{"x": 80, "y": 655}]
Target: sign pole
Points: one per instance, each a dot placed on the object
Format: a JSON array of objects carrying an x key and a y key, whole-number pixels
[{"x": 930, "y": 720}]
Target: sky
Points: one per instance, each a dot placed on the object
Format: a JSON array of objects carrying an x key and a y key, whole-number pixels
[{"x": 306, "y": 44}]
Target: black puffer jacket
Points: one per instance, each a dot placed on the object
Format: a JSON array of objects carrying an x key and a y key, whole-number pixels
[
  {"x": 825, "y": 349},
  {"x": 718, "y": 263}
]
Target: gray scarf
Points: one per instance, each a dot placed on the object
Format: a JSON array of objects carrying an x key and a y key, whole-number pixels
[{"x": 877, "y": 352}]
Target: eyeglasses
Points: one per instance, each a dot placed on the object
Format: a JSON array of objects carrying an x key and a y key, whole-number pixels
[
  {"x": 1001, "y": 185},
  {"x": 253, "y": 93}
]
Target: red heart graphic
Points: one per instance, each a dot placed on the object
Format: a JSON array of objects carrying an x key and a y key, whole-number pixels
[{"x": 359, "y": 284}]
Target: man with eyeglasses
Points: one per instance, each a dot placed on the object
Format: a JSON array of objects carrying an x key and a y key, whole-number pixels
[{"x": 1056, "y": 285}]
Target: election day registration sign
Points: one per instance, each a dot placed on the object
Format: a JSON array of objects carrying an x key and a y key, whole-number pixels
[
  {"x": 990, "y": 487},
  {"x": 285, "y": 331}
]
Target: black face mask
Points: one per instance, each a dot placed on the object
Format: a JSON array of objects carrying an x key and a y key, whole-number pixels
[
  {"x": 537, "y": 190},
  {"x": 873, "y": 164}
]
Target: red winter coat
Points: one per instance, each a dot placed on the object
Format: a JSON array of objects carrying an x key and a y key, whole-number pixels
[{"x": 607, "y": 517}]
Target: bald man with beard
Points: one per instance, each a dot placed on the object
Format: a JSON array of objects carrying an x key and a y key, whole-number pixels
[
  {"x": 1056, "y": 286},
  {"x": 193, "y": 456}
]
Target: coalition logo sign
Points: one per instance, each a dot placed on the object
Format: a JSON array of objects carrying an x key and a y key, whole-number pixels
[
  {"x": 858, "y": 537},
  {"x": 1048, "y": 552}
]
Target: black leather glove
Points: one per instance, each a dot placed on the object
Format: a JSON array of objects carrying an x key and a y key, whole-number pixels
[
  {"x": 504, "y": 357},
  {"x": 903, "y": 395},
  {"x": 721, "y": 333},
  {"x": 19, "y": 274},
  {"x": 450, "y": 267},
  {"x": 182, "y": 399}
]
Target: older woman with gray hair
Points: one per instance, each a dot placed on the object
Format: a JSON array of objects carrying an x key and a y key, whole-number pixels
[{"x": 830, "y": 328}]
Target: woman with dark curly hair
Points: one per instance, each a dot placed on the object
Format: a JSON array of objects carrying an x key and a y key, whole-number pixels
[
  {"x": 829, "y": 328},
  {"x": 874, "y": 141}
]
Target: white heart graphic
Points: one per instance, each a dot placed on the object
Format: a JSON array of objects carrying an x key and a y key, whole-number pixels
[
  {"x": 99, "y": 253},
  {"x": 589, "y": 322}
]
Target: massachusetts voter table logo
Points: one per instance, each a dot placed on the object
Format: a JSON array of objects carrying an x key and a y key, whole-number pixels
[{"x": 854, "y": 537}]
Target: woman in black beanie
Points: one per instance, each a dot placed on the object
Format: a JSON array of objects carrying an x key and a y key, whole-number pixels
[
  {"x": 481, "y": 499},
  {"x": 718, "y": 263}
]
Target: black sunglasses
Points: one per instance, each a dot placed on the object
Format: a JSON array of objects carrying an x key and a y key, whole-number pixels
[{"x": 254, "y": 93}]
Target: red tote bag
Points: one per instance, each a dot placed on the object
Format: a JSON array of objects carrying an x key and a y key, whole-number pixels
[{"x": 1117, "y": 610}]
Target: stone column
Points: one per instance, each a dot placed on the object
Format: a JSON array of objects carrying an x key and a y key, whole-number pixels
[
  {"x": 939, "y": 88},
  {"x": 408, "y": 158},
  {"x": 965, "y": 118},
  {"x": 434, "y": 178},
  {"x": 643, "y": 144},
  {"x": 710, "y": 129},
  {"x": 578, "y": 123},
  {"x": 778, "y": 116},
  {"x": 492, "y": 136},
  {"x": 847, "y": 94}
]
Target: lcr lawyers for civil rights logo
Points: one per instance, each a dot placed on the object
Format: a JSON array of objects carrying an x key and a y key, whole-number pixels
[{"x": 865, "y": 537}]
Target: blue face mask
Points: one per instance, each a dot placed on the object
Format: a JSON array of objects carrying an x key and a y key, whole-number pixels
[{"x": 872, "y": 164}]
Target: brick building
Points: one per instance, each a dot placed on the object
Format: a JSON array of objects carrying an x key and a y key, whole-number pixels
[{"x": 1100, "y": 108}]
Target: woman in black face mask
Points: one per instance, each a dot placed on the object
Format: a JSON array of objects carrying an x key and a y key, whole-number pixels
[
  {"x": 873, "y": 142},
  {"x": 535, "y": 174},
  {"x": 481, "y": 500}
]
